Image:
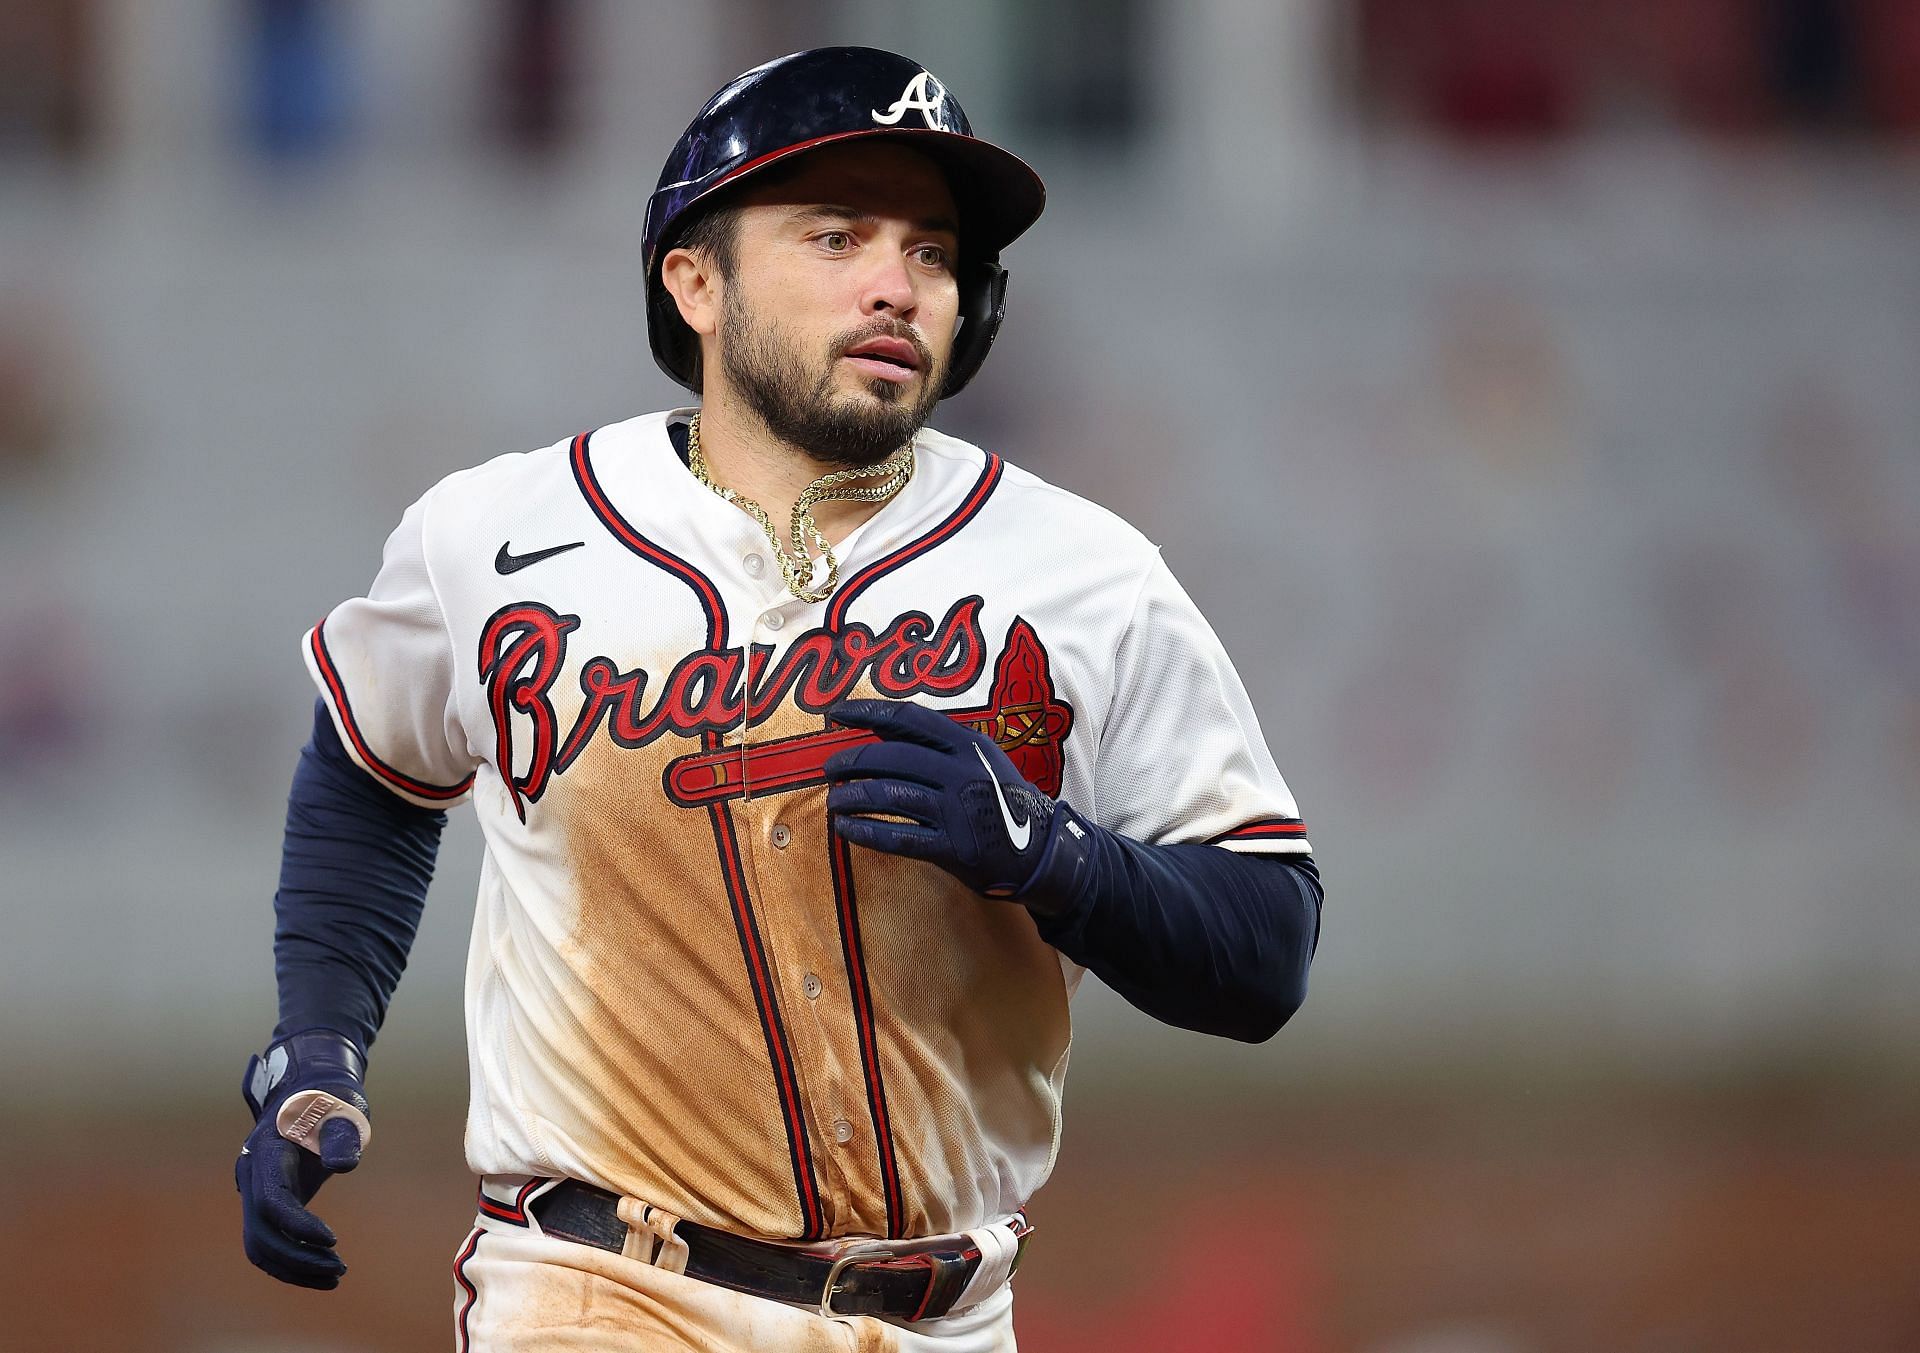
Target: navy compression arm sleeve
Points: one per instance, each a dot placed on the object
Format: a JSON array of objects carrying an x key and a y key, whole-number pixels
[
  {"x": 1196, "y": 936},
  {"x": 353, "y": 882}
]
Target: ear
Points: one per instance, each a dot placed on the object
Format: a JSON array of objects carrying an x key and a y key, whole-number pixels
[{"x": 695, "y": 288}]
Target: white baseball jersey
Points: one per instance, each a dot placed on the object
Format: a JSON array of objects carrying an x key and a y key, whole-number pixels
[{"x": 682, "y": 986}]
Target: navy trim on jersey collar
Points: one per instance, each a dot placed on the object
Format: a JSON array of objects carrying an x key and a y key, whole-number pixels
[
  {"x": 983, "y": 487},
  {"x": 625, "y": 532}
]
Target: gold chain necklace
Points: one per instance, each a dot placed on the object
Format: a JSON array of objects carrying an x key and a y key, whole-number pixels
[{"x": 796, "y": 561}]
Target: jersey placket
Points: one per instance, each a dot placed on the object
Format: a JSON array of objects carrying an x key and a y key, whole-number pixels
[{"x": 783, "y": 839}]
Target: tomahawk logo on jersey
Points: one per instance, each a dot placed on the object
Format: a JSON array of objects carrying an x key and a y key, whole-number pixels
[{"x": 641, "y": 722}]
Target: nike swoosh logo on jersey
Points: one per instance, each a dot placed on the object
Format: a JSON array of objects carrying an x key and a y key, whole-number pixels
[
  {"x": 1018, "y": 832},
  {"x": 507, "y": 562}
]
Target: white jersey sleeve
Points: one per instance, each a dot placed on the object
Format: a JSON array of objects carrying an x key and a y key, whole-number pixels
[
  {"x": 1181, "y": 759},
  {"x": 384, "y": 666}
]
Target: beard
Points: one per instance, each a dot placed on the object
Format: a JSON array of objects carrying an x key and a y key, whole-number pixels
[{"x": 764, "y": 363}]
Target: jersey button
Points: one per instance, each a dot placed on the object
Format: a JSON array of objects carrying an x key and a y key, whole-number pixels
[
  {"x": 811, "y": 985},
  {"x": 773, "y": 620},
  {"x": 781, "y": 834},
  {"x": 842, "y": 1131},
  {"x": 754, "y": 565}
]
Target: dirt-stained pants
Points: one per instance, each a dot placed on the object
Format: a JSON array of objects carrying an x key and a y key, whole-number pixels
[{"x": 518, "y": 1291}]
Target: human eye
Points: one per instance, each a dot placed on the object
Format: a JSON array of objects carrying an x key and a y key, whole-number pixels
[
  {"x": 931, "y": 256},
  {"x": 835, "y": 241}
]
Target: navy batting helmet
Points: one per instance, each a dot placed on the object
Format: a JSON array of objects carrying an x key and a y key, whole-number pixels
[{"x": 820, "y": 97}]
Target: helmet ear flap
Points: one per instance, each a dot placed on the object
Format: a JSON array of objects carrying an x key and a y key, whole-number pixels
[
  {"x": 983, "y": 304},
  {"x": 674, "y": 345}
]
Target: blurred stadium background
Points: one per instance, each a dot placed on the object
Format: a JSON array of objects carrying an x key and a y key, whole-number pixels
[{"x": 1528, "y": 390}]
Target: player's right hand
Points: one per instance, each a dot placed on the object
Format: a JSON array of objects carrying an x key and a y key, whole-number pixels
[{"x": 310, "y": 1122}]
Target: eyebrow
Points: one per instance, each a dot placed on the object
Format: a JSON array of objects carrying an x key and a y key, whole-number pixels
[{"x": 828, "y": 211}]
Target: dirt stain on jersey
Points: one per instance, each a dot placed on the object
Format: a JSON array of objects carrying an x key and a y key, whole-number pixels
[
  {"x": 652, "y": 1035},
  {"x": 974, "y": 1026},
  {"x": 658, "y": 1051}
]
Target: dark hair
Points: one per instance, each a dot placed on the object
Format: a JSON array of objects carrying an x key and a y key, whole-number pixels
[{"x": 714, "y": 234}]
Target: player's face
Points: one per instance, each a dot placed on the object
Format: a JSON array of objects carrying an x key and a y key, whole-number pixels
[{"x": 837, "y": 325}]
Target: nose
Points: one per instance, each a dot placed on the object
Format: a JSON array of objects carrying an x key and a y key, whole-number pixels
[{"x": 890, "y": 288}]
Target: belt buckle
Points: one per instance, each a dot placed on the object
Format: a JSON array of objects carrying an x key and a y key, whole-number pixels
[{"x": 845, "y": 1253}]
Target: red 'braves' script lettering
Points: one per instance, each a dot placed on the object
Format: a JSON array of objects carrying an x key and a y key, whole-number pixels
[
  {"x": 520, "y": 652},
  {"x": 708, "y": 691}
]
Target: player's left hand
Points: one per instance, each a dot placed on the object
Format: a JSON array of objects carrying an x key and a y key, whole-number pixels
[{"x": 967, "y": 808}]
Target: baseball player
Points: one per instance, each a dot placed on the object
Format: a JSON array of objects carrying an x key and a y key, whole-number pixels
[{"x": 817, "y": 754}]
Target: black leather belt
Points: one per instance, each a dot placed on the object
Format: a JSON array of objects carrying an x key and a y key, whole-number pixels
[{"x": 901, "y": 1279}]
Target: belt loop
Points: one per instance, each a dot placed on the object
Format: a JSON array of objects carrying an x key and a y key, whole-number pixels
[
  {"x": 1001, "y": 1247},
  {"x": 650, "y": 1237}
]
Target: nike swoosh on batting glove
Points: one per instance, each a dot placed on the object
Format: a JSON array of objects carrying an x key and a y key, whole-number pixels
[
  {"x": 966, "y": 807},
  {"x": 310, "y": 1122}
]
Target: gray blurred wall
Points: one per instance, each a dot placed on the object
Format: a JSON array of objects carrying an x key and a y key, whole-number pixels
[{"x": 1562, "y": 510}]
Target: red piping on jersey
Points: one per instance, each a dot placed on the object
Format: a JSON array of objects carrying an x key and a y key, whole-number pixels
[
  {"x": 770, "y": 1024},
  {"x": 841, "y": 858},
  {"x": 624, "y": 532},
  {"x": 751, "y": 946},
  {"x": 331, "y": 675},
  {"x": 1266, "y": 829},
  {"x": 460, "y": 1276},
  {"x": 838, "y": 853},
  {"x": 968, "y": 509},
  {"x": 516, "y": 1211}
]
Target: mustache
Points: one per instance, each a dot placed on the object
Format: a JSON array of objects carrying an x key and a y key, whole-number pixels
[{"x": 887, "y": 328}]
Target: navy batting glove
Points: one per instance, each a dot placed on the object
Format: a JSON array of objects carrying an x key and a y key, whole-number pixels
[
  {"x": 967, "y": 808},
  {"x": 310, "y": 1122}
]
